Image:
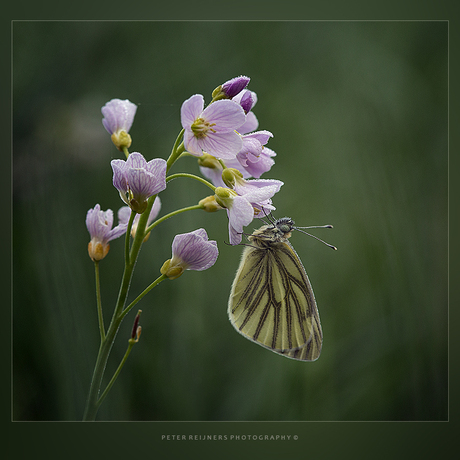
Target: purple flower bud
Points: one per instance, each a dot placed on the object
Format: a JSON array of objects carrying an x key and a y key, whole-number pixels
[
  {"x": 246, "y": 101},
  {"x": 137, "y": 180},
  {"x": 190, "y": 251},
  {"x": 99, "y": 224},
  {"x": 234, "y": 86}
]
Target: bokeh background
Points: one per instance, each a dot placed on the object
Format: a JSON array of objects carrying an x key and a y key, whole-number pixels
[{"x": 359, "y": 116}]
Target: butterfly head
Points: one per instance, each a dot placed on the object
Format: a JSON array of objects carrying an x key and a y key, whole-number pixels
[{"x": 285, "y": 225}]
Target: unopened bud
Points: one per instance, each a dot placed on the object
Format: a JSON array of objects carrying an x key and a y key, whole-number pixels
[
  {"x": 210, "y": 204},
  {"x": 231, "y": 176},
  {"x": 209, "y": 161},
  {"x": 224, "y": 196}
]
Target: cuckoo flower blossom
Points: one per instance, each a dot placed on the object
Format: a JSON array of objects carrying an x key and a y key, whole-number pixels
[
  {"x": 254, "y": 158},
  {"x": 212, "y": 130},
  {"x": 190, "y": 251},
  {"x": 249, "y": 199},
  {"x": 99, "y": 224},
  {"x": 118, "y": 119},
  {"x": 137, "y": 180}
]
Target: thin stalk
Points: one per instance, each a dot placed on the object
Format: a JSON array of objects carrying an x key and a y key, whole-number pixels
[
  {"x": 99, "y": 301},
  {"x": 93, "y": 401},
  {"x": 171, "y": 214},
  {"x": 104, "y": 351},
  {"x": 177, "y": 150},
  {"x": 131, "y": 343},
  {"x": 128, "y": 234},
  {"x": 191, "y": 176},
  {"x": 142, "y": 294},
  {"x": 106, "y": 345}
]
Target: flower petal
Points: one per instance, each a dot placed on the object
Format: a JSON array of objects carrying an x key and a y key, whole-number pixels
[
  {"x": 191, "y": 109},
  {"x": 226, "y": 115},
  {"x": 240, "y": 214},
  {"x": 118, "y": 115},
  {"x": 193, "y": 250},
  {"x": 221, "y": 145},
  {"x": 136, "y": 160},
  {"x": 192, "y": 144},
  {"x": 119, "y": 177},
  {"x": 251, "y": 124},
  {"x": 158, "y": 167}
]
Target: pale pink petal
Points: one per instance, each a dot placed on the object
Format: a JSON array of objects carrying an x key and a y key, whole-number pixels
[
  {"x": 191, "y": 109},
  {"x": 226, "y": 115}
]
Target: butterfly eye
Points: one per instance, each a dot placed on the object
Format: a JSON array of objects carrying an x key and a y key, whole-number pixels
[{"x": 285, "y": 228}]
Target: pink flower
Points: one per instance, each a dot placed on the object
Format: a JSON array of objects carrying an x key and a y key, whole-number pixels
[
  {"x": 190, "y": 251},
  {"x": 254, "y": 158},
  {"x": 249, "y": 199},
  {"x": 212, "y": 130},
  {"x": 137, "y": 180},
  {"x": 99, "y": 225},
  {"x": 118, "y": 119}
]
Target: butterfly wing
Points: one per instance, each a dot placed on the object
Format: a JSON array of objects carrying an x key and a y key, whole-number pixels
[{"x": 272, "y": 302}]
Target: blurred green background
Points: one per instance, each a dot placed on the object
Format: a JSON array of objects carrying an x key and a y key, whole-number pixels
[{"x": 359, "y": 116}]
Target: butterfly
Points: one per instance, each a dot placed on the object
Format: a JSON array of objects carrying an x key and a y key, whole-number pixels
[{"x": 271, "y": 300}]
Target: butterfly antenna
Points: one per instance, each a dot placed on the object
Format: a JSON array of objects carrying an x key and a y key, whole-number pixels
[
  {"x": 318, "y": 226},
  {"x": 315, "y": 237},
  {"x": 271, "y": 219}
]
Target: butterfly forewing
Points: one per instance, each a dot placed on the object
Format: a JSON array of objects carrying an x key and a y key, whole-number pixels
[{"x": 272, "y": 302}]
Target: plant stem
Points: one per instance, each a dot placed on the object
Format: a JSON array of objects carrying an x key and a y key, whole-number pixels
[
  {"x": 171, "y": 214},
  {"x": 104, "y": 351},
  {"x": 176, "y": 151},
  {"x": 99, "y": 301},
  {"x": 142, "y": 294},
  {"x": 106, "y": 345},
  {"x": 131, "y": 343},
  {"x": 191, "y": 176},
  {"x": 128, "y": 234},
  {"x": 93, "y": 402}
]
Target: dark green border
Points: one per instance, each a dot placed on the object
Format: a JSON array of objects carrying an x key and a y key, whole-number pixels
[{"x": 322, "y": 440}]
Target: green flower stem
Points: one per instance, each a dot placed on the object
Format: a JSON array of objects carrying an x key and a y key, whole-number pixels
[
  {"x": 106, "y": 345},
  {"x": 128, "y": 234},
  {"x": 99, "y": 302},
  {"x": 104, "y": 351},
  {"x": 177, "y": 150},
  {"x": 171, "y": 214},
  {"x": 191, "y": 176},
  {"x": 131, "y": 343},
  {"x": 93, "y": 402},
  {"x": 142, "y": 294}
]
